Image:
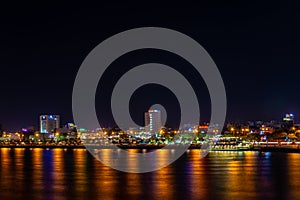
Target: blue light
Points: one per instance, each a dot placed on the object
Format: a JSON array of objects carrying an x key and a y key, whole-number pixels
[{"x": 268, "y": 155}]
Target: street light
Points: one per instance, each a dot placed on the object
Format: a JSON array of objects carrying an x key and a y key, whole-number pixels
[{"x": 232, "y": 130}]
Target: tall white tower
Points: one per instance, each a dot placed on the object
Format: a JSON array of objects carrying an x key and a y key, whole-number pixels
[{"x": 153, "y": 121}]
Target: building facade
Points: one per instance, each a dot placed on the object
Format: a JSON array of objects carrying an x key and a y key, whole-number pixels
[
  {"x": 153, "y": 121},
  {"x": 49, "y": 123}
]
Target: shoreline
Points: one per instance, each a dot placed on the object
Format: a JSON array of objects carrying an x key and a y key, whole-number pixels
[{"x": 153, "y": 147}]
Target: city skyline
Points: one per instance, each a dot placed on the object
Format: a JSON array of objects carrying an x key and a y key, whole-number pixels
[
  {"x": 48, "y": 123},
  {"x": 146, "y": 100}
]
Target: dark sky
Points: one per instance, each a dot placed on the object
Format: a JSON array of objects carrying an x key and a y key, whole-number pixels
[{"x": 255, "y": 46}]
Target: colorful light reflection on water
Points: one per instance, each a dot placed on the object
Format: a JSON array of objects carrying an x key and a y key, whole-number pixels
[{"x": 65, "y": 174}]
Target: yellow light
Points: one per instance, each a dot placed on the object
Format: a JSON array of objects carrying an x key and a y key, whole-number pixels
[
  {"x": 56, "y": 134},
  {"x": 37, "y": 135},
  {"x": 243, "y": 129},
  {"x": 232, "y": 129}
]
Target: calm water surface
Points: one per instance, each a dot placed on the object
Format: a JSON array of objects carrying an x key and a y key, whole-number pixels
[{"x": 75, "y": 174}]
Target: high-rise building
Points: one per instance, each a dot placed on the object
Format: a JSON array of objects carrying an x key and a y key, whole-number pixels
[
  {"x": 48, "y": 123},
  {"x": 153, "y": 121}
]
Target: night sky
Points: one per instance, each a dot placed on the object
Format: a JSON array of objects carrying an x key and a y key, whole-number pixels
[{"x": 255, "y": 46}]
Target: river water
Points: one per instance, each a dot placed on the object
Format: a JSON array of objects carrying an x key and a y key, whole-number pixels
[{"x": 75, "y": 174}]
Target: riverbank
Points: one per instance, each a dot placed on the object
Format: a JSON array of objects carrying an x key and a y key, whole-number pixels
[{"x": 291, "y": 149}]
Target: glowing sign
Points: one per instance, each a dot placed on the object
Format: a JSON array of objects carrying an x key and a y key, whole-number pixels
[{"x": 204, "y": 126}]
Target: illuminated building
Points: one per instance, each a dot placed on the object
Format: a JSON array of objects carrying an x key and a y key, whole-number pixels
[
  {"x": 71, "y": 126},
  {"x": 203, "y": 128},
  {"x": 72, "y": 130},
  {"x": 153, "y": 121},
  {"x": 48, "y": 123},
  {"x": 288, "y": 118}
]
